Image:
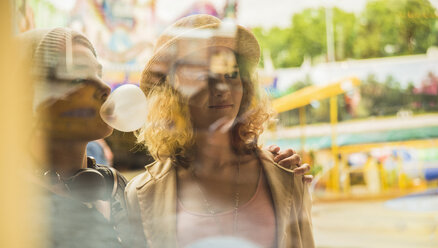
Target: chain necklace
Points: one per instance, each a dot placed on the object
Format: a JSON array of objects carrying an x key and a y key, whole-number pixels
[{"x": 236, "y": 197}]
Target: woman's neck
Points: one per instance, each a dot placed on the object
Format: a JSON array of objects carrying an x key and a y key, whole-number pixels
[
  {"x": 66, "y": 157},
  {"x": 213, "y": 151}
]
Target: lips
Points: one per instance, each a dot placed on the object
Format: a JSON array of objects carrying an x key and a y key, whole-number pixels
[
  {"x": 221, "y": 106},
  {"x": 80, "y": 113}
]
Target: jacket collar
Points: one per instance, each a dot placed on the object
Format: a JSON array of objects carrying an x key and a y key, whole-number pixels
[
  {"x": 281, "y": 185},
  {"x": 157, "y": 196}
]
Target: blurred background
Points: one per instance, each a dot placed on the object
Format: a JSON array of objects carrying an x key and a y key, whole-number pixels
[{"x": 355, "y": 84}]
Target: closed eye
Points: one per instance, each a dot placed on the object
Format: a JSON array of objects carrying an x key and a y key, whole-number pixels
[
  {"x": 232, "y": 75},
  {"x": 79, "y": 80}
]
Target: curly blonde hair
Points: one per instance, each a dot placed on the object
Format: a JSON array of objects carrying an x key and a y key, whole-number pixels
[{"x": 168, "y": 132}]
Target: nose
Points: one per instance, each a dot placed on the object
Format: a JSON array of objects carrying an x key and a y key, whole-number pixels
[
  {"x": 220, "y": 88},
  {"x": 102, "y": 90}
]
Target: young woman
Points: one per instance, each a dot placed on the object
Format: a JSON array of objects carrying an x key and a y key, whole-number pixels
[
  {"x": 211, "y": 181},
  {"x": 85, "y": 201}
]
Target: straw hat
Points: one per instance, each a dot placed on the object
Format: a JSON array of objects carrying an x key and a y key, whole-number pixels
[{"x": 194, "y": 33}]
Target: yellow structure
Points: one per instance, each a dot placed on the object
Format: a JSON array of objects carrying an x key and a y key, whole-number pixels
[
  {"x": 17, "y": 210},
  {"x": 305, "y": 96},
  {"x": 309, "y": 94}
]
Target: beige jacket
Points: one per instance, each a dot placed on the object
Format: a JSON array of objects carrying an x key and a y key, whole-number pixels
[{"x": 152, "y": 201}]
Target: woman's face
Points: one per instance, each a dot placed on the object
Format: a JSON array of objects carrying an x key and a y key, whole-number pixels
[
  {"x": 76, "y": 116},
  {"x": 218, "y": 88}
]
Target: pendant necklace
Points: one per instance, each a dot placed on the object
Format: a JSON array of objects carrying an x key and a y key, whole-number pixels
[{"x": 236, "y": 198}]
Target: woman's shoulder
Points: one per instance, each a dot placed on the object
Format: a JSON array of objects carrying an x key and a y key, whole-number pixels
[
  {"x": 139, "y": 180},
  {"x": 153, "y": 171}
]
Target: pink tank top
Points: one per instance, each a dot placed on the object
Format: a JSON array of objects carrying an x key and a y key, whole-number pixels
[{"x": 255, "y": 221}]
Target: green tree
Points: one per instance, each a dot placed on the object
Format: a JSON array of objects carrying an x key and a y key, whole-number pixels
[
  {"x": 418, "y": 19},
  {"x": 383, "y": 98},
  {"x": 306, "y": 37},
  {"x": 395, "y": 27},
  {"x": 345, "y": 32},
  {"x": 275, "y": 40},
  {"x": 384, "y": 28}
]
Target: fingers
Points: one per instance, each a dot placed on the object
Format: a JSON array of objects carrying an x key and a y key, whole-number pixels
[
  {"x": 291, "y": 162},
  {"x": 284, "y": 154},
  {"x": 274, "y": 149},
  {"x": 290, "y": 159},
  {"x": 303, "y": 169},
  {"x": 307, "y": 178}
]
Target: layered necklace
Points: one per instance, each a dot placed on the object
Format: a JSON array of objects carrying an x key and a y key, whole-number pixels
[{"x": 236, "y": 198}]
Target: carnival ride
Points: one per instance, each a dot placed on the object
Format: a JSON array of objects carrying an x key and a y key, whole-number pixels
[{"x": 388, "y": 155}]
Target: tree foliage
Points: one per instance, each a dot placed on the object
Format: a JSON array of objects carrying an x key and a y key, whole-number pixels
[
  {"x": 383, "y": 28},
  {"x": 396, "y": 27}
]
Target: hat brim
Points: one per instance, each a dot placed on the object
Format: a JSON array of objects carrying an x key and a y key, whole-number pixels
[{"x": 189, "y": 41}]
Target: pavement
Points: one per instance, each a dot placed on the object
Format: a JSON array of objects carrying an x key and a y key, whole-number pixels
[{"x": 373, "y": 224}]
